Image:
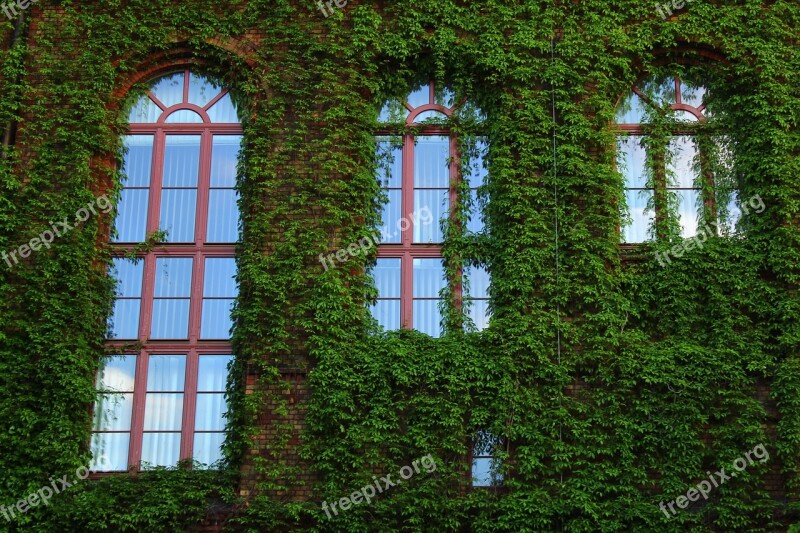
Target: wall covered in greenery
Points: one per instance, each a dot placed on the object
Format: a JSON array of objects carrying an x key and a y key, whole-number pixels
[{"x": 618, "y": 383}]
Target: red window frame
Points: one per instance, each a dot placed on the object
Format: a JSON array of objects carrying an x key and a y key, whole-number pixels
[{"x": 192, "y": 347}]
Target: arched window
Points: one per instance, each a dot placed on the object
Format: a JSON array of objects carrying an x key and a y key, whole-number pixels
[
  {"x": 421, "y": 181},
  {"x": 660, "y": 156},
  {"x": 163, "y": 401}
]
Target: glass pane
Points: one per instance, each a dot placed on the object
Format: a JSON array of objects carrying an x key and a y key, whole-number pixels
[
  {"x": 437, "y": 203},
  {"x": 184, "y": 116},
  {"x": 169, "y": 89},
  {"x": 444, "y": 96},
  {"x": 112, "y": 412},
  {"x": 393, "y": 111},
  {"x": 116, "y": 373},
  {"x": 202, "y": 90},
  {"x": 692, "y": 95},
  {"x": 144, "y": 111},
  {"x": 163, "y": 411},
  {"x": 390, "y": 218},
  {"x": 475, "y": 216},
  {"x": 387, "y": 313},
  {"x": 131, "y": 221},
  {"x": 481, "y": 472},
  {"x": 420, "y": 96},
  {"x": 632, "y": 110},
  {"x": 212, "y": 373},
  {"x": 124, "y": 320},
  {"x": 661, "y": 90},
  {"x": 166, "y": 372},
  {"x": 479, "y": 279},
  {"x": 178, "y": 208},
  {"x": 438, "y": 116},
  {"x": 687, "y": 211},
  {"x": 223, "y": 111},
  {"x": 390, "y": 162},
  {"x": 681, "y": 167},
  {"x": 181, "y": 160},
  {"x": 477, "y": 171},
  {"x": 138, "y": 160},
  {"x": 109, "y": 451},
  {"x": 428, "y": 278},
  {"x": 161, "y": 449},
  {"x": 173, "y": 276},
  {"x": 386, "y": 273},
  {"x": 210, "y": 410},
  {"x": 170, "y": 319},
  {"x": 208, "y": 447},
  {"x": 685, "y": 116},
  {"x": 224, "y": 158},
  {"x": 632, "y": 160},
  {"x": 641, "y": 216},
  {"x": 223, "y": 216},
  {"x": 219, "y": 277},
  {"x": 129, "y": 277},
  {"x": 427, "y": 317},
  {"x": 479, "y": 314},
  {"x": 431, "y": 154},
  {"x": 216, "y": 320}
]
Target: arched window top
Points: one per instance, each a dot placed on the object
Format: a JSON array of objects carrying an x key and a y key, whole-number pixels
[
  {"x": 662, "y": 94},
  {"x": 184, "y": 98},
  {"x": 427, "y": 101}
]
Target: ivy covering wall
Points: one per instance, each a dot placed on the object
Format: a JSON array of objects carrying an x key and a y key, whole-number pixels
[{"x": 618, "y": 383}]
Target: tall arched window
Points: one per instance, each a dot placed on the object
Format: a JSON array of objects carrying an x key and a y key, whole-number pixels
[
  {"x": 660, "y": 156},
  {"x": 421, "y": 182},
  {"x": 161, "y": 399}
]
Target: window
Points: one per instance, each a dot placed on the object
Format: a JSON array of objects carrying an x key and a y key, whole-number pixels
[
  {"x": 165, "y": 401},
  {"x": 420, "y": 179},
  {"x": 485, "y": 460},
  {"x": 664, "y": 160}
]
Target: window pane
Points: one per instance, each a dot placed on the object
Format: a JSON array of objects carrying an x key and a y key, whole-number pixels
[
  {"x": 210, "y": 411},
  {"x": 687, "y": 211},
  {"x": 631, "y": 161},
  {"x": 112, "y": 412},
  {"x": 109, "y": 451},
  {"x": 223, "y": 216},
  {"x": 390, "y": 217},
  {"x": 166, "y": 372},
  {"x": 224, "y": 158},
  {"x": 202, "y": 90},
  {"x": 475, "y": 217},
  {"x": 138, "y": 160},
  {"x": 173, "y": 276},
  {"x": 428, "y": 278},
  {"x": 390, "y": 161},
  {"x": 163, "y": 412},
  {"x": 184, "y": 116},
  {"x": 169, "y": 89},
  {"x": 124, "y": 321},
  {"x": 427, "y": 115},
  {"x": 692, "y": 95},
  {"x": 427, "y": 317},
  {"x": 216, "y": 321},
  {"x": 386, "y": 273},
  {"x": 420, "y": 96},
  {"x": 170, "y": 319},
  {"x": 181, "y": 160},
  {"x": 117, "y": 373},
  {"x": 208, "y": 447},
  {"x": 129, "y": 277},
  {"x": 437, "y": 203},
  {"x": 641, "y": 216},
  {"x": 144, "y": 111},
  {"x": 219, "y": 279},
  {"x": 212, "y": 374},
  {"x": 223, "y": 111},
  {"x": 478, "y": 286},
  {"x": 631, "y": 110},
  {"x": 479, "y": 314},
  {"x": 131, "y": 221},
  {"x": 431, "y": 153},
  {"x": 681, "y": 168},
  {"x": 161, "y": 449},
  {"x": 387, "y": 313},
  {"x": 178, "y": 207}
]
